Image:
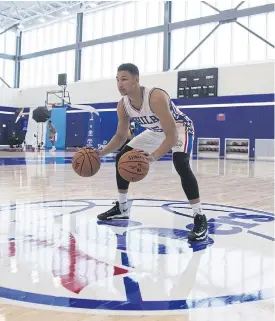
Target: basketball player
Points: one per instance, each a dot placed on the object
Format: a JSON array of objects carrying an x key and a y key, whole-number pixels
[
  {"x": 52, "y": 134},
  {"x": 166, "y": 128}
]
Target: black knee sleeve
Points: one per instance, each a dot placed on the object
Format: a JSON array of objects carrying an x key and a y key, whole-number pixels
[
  {"x": 188, "y": 179},
  {"x": 121, "y": 182}
]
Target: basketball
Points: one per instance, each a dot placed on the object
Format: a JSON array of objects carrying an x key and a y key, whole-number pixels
[
  {"x": 133, "y": 166},
  {"x": 86, "y": 162}
]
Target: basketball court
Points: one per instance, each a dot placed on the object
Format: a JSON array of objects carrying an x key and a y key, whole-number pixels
[{"x": 58, "y": 261}]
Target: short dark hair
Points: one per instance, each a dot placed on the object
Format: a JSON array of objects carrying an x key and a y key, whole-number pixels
[{"x": 131, "y": 68}]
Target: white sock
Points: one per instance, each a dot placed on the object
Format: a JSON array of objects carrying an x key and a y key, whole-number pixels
[
  {"x": 197, "y": 208},
  {"x": 122, "y": 199}
]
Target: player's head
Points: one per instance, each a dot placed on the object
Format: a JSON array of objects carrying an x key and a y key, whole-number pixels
[
  {"x": 49, "y": 122},
  {"x": 127, "y": 78}
]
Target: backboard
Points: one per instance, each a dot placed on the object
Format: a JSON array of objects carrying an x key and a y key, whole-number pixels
[{"x": 55, "y": 97}]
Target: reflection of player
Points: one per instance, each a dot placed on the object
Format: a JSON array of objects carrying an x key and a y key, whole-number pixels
[{"x": 52, "y": 134}]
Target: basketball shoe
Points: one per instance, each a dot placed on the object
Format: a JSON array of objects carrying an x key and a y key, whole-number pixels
[
  {"x": 119, "y": 211},
  {"x": 199, "y": 232}
]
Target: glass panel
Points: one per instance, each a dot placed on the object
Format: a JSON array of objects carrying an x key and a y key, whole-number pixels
[
  {"x": 86, "y": 63},
  {"x": 98, "y": 25},
  {"x": 139, "y": 53},
  {"x": 87, "y": 27},
  {"x": 41, "y": 35},
  {"x": 223, "y": 5},
  {"x": 152, "y": 53},
  {"x": 177, "y": 46},
  {"x": 107, "y": 60},
  {"x": 7, "y": 72},
  {"x": 108, "y": 22},
  {"x": 52, "y": 36},
  {"x": 70, "y": 65},
  {"x": 118, "y": 13},
  {"x": 10, "y": 43},
  {"x": 117, "y": 56},
  {"x": 207, "y": 49},
  {"x": 2, "y": 43},
  {"x": 239, "y": 42},
  {"x": 192, "y": 39},
  {"x": 206, "y": 10},
  {"x": 155, "y": 13},
  {"x": 39, "y": 80},
  {"x": 192, "y": 9},
  {"x": 96, "y": 62},
  {"x": 44, "y": 70},
  {"x": 257, "y": 47},
  {"x": 129, "y": 17},
  {"x": 128, "y": 50},
  {"x": 223, "y": 44},
  {"x": 140, "y": 14},
  {"x": 255, "y": 3},
  {"x": 270, "y": 34}
]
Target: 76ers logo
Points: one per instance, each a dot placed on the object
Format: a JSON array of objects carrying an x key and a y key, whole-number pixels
[{"x": 62, "y": 252}]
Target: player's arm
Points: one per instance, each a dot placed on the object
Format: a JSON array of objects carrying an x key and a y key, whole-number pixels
[
  {"x": 120, "y": 136},
  {"x": 159, "y": 102}
]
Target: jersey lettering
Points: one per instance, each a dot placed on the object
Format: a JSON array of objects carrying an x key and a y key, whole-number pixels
[
  {"x": 145, "y": 121},
  {"x": 146, "y": 118}
]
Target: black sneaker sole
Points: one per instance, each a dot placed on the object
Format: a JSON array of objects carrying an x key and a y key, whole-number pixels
[{"x": 113, "y": 218}]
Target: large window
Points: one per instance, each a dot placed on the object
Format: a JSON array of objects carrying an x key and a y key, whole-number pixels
[
  {"x": 122, "y": 18},
  {"x": 7, "y": 72},
  {"x": 101, "y": 61},
  {"x": 44, "y": 70},
  {"x": 229, "y": 44},
  {"x": 51, "y": 36},
  {"x": 8, "y": 42}
]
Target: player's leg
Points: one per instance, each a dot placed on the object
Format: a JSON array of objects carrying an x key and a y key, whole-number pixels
[
  {"x": 148, "y": 141},
  {"x": 181, "y": 160}
]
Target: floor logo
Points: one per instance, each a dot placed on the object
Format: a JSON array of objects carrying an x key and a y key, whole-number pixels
[{"x": 60, "y": 254}]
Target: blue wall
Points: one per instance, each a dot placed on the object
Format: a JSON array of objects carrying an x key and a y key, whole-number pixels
[{"x": 251, "y": 121}]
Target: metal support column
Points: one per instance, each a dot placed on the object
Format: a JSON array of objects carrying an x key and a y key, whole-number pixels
[
  {"x": 79, "y": 29},
  {"x": 167, "y": 35},
  {"x": 17, "y": 60}
]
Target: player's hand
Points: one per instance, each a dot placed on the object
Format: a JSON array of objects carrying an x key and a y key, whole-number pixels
[{"x": 148, "y": 156}]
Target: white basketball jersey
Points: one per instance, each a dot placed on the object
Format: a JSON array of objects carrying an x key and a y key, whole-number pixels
[{"x": 145, "y": 116}]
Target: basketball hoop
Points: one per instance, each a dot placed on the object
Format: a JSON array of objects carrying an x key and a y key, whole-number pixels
[{"x": 50, "y": 106}]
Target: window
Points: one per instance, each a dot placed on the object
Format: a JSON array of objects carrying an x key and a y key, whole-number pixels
[
  {"x": 101, "y": 61},
  {"x": 239, "y": 42},
  {"x": 129, "y": 17},
  {"x": 44, "y": 70},
  {"x": 8, "y": 42},
  {"x": 177, "y": 47},
  {"x": 257, "y": 47},
  {"x": 55, "y": 35},
  {"x": 207, "y": 49},
  {"x": 223, "y": 36},
  {"x": 123, "y": 18},
  {"x": 192, "y": 39},
  {"x": 7, "y": 72},
  {"x": 270, "y": 34}
]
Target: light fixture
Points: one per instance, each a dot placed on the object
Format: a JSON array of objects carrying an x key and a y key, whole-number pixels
[
  {"x": 42, "y": 20},
  {"x": 65, "y": 12}
]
